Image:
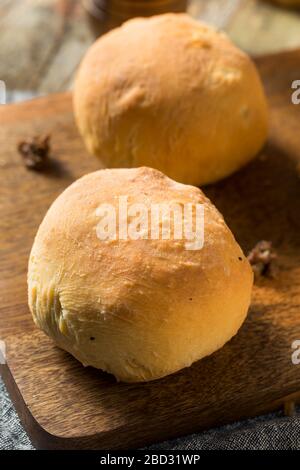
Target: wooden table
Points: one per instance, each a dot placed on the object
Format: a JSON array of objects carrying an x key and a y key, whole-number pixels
[{"x": 42, "y": 41}]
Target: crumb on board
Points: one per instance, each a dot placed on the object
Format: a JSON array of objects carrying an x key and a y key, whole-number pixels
[
  {"x": 263, "y": 260},
  {"x": 35, "y": 152}
]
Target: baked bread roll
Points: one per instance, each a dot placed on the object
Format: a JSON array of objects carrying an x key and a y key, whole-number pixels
[
  {"x": 171, "y": 93},
  {"x": 138, "y": 308}
]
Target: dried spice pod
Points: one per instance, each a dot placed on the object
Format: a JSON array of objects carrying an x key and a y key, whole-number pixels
[
  {"x": 35, "y": 152},
  {"x": 262, "y": 259}
]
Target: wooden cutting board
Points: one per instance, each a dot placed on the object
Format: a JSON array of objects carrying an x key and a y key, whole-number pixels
[{"x": 63, "y": 405}]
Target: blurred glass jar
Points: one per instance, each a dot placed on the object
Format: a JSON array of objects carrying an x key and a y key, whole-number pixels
[{"x": 107, "y": 14}]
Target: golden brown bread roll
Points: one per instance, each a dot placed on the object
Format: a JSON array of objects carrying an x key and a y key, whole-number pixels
[
  {"x": 139, "y": 309},
  {"x": 171, "y": 93}
]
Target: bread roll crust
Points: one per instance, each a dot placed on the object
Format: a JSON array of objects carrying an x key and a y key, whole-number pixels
[
  {"x": 139, "y": 309},
  {"x": 171, "y": 93}
]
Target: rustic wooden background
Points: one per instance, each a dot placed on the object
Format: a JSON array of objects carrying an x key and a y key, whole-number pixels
[{"x": 42, "y": 41}]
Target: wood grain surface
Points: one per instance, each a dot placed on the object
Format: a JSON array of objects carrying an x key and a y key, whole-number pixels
[{"x": 62, "y": 404}]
